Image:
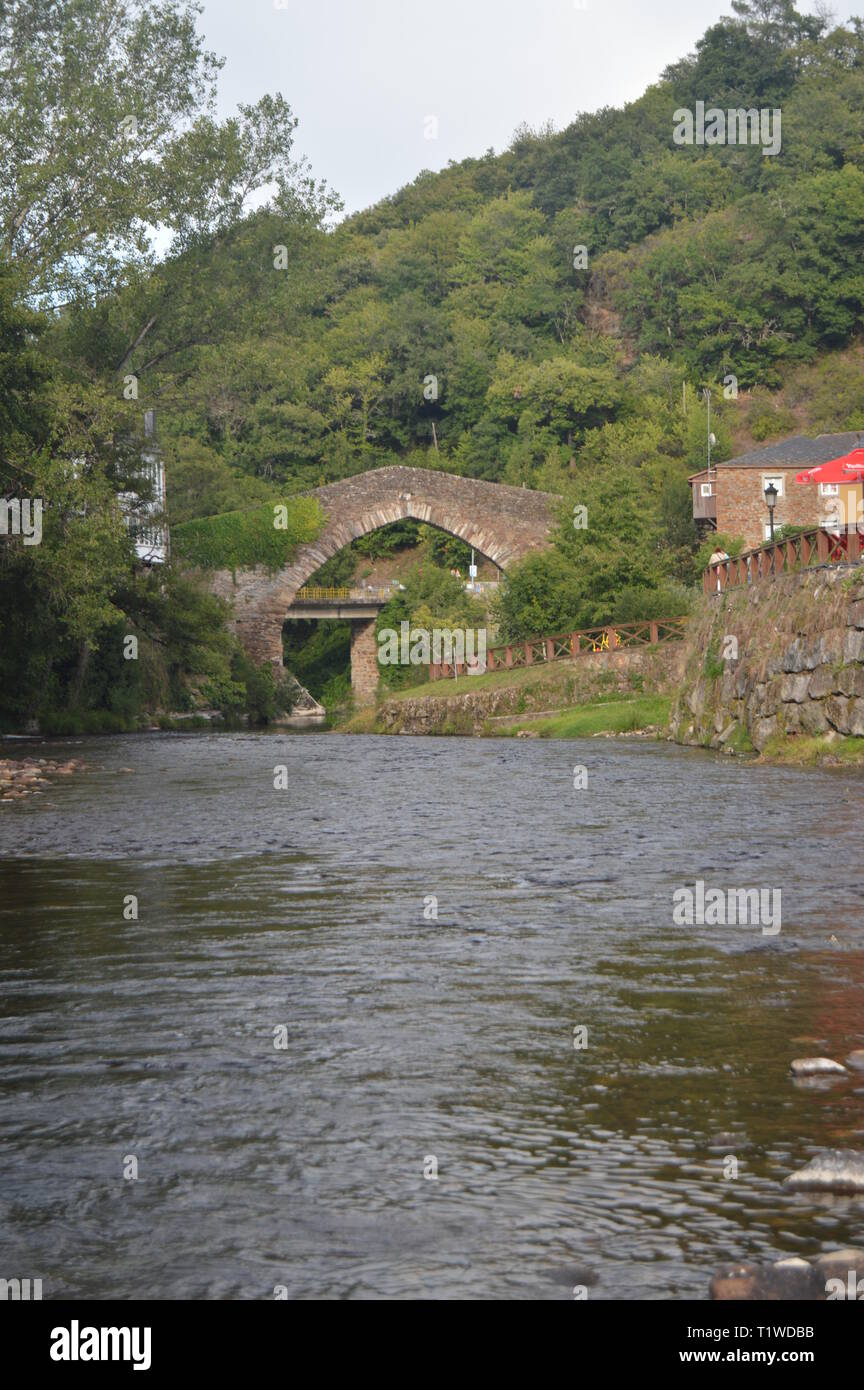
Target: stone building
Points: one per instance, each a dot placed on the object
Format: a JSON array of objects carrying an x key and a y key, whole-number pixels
[{"x": 732, "y": 499}]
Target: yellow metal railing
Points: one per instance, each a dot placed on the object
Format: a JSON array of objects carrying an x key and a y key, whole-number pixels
[{"x": 313, "y": 592}]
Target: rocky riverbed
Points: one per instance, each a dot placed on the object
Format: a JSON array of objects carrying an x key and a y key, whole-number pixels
[
  {"x": 20, "y": 777},
  {"x": 835, "y": 1274}
]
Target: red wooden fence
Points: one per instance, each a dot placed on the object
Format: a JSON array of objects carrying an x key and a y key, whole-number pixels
[
  {"x": 585, "y": 642},
  {"x": 817, "y": 547}
]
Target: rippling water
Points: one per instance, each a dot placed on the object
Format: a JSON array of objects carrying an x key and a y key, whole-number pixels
[{"x": 407, "y": 1037}]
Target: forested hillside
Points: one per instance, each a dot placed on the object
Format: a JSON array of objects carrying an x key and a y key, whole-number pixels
[{"x": 546, "y": 315}]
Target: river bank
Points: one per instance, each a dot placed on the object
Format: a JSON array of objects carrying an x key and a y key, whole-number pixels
[
  {"x": 773, "y": 673},
  {"x": 607, "y": 692},
  {"x": 541, "y": 708}
]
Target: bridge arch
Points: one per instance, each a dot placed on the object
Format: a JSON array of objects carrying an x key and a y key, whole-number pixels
[{"x": 503, "y": 523}]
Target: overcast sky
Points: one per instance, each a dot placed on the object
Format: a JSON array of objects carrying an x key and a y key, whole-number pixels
[{"x": 365, "y": 76}]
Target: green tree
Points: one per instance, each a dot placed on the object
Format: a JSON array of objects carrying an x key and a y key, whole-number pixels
[{"x": 106, "y": 131}]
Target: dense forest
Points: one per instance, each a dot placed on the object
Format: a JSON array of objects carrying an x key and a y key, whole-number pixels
[{"x": 548, "y": 315}]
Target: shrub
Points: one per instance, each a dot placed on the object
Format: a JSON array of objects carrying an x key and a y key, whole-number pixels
[
  {"x": 636, "y": 604},
  {"x": 766, "y": 422}
]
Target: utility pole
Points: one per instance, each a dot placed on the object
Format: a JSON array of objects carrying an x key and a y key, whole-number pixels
[{"x": 707, "y": 396}]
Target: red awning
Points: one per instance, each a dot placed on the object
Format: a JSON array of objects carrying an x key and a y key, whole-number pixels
[{"x": 847, "y": 469}]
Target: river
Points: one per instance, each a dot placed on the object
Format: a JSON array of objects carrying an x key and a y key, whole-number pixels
[{"x": 287, "y": 1036}]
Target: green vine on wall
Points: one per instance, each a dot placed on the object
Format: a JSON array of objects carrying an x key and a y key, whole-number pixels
[{"x": 267, "y": 535}]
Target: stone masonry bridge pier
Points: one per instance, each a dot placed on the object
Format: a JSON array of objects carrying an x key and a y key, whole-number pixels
[{"x": 502, "y": 523}]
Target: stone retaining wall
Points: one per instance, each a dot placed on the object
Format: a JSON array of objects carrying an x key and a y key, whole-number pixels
[
  {"x": 456, "y": 708},
  {"x": 799, "y": 668}
]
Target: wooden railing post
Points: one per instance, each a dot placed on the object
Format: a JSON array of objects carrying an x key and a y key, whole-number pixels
[
  {"x": 854, "y": 552},
  {"x": 529, "y": 655}
]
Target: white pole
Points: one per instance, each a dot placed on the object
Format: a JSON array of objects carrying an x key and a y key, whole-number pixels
[{"x": 708, "y": 394}]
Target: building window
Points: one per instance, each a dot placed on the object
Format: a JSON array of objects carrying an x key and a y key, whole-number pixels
[
  {"x": 707, "y": 490},
  {"x": 829, "y": 489},
  {"x": 777, "y": 479}
]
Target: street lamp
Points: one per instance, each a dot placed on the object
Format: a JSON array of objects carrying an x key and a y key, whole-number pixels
[{"x": 771, "y": 495}]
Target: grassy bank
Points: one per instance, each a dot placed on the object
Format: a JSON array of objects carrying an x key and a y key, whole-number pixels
[
  {"x": 821, "y": 750},
  {"x": 606, "y": 714},
  {"x": 604, "y": 717},
  {"x": 607, "y": 693},
  {"x": 560, "y": 678}
]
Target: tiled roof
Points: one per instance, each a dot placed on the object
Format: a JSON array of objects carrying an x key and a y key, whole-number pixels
[{"x": 798, "y": 452}]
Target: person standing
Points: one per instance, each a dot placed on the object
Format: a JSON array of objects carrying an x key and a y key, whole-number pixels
[{"x": 717, "y": 558}]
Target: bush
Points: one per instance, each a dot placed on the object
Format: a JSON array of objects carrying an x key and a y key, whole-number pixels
[
  {"x": 433, "y": 599},
  {"x": 337, "y": 693},
  {"x": 785, "y": 533},
  {"x": 540, "y": 596},
  {"x": 766, "y": 422},
  {"x": 388, "y": 539},
  {"x": 316, "y": 652},
  {"x": 264, "y": 699},
  {"x": 637, "y": 605}
]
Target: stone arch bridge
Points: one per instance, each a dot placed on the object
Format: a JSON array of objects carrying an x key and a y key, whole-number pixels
[{"x": 502, "y": 523}]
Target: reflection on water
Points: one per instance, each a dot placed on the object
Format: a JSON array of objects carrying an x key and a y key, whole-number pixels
[{"x": 406, "y": 1037}]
